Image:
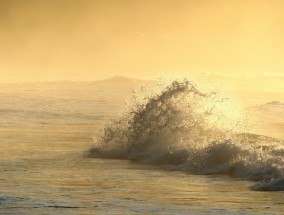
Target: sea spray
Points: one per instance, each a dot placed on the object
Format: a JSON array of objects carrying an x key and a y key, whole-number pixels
[{"x": 195, "y": 131}]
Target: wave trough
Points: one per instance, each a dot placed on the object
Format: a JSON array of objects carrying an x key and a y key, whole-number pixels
[{"x": 193, "y": 131}]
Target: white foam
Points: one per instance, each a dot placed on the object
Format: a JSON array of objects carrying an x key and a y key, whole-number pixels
[{"x": 192, "y": 131}]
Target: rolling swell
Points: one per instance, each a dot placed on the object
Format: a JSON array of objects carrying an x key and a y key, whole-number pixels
[{"x": 193, "y": 131}]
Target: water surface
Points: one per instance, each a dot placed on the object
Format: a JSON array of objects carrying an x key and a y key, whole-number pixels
[{"x": 44, "y": 168}]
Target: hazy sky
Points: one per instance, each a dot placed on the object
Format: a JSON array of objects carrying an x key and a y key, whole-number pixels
[{"x": 95, "y": 39}]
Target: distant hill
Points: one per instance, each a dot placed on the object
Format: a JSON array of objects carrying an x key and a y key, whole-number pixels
[{"x": 118, "y": 79}]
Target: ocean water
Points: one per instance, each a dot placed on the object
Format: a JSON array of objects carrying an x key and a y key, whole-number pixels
[{"x": 47, "y": 167}]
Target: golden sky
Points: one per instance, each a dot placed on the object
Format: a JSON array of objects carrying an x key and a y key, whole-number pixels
[{"x": 96, "y": 39}]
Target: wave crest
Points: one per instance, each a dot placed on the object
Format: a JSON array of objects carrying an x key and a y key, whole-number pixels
[{"x": 193, "y": 131}]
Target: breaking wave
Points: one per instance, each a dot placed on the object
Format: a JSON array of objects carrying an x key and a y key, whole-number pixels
[{"x": 200, "y": 132}]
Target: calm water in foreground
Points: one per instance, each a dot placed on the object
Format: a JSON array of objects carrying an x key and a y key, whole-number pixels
[{"x": 44, "y": 171}]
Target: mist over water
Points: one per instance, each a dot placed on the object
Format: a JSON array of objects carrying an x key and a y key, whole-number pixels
[{"x": 192, "y": 131}]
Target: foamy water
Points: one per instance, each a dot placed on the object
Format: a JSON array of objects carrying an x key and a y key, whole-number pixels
[
  {"x": 194, "y": 132},
  {"x": 45, "y": 168}
]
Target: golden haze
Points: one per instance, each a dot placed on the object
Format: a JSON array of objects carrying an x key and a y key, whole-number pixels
[{"x": 44, "y": 40}]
